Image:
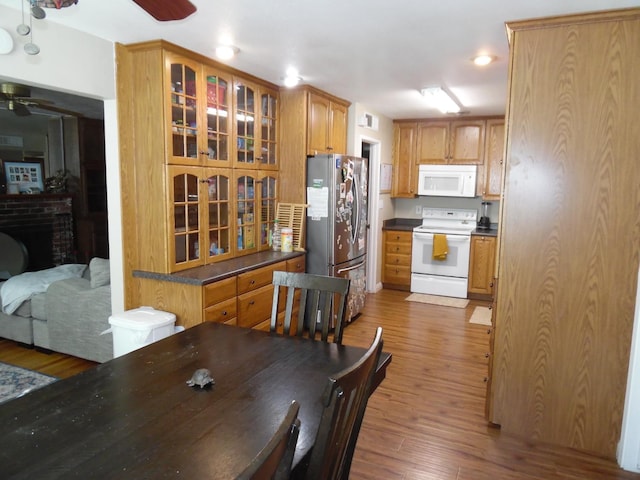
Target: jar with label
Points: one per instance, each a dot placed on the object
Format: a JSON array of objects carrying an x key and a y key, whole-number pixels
[
  {"x": 275, "y": 237},
  {"x": 287, "y": 240}
]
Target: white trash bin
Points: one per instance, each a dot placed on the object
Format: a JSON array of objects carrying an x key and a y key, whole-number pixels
[{"x": 139, "y": 327}]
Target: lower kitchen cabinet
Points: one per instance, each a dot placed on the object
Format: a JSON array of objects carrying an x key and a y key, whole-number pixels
[
  {"x": 396, "y": 259},
  {"x": 244, "y": 299},
  {"x": 481, "y": 266}
]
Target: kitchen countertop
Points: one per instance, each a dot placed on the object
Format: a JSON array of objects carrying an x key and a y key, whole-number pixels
[
  {"x": 408, "y": 224},
  {"x": 221, "y": 270}
]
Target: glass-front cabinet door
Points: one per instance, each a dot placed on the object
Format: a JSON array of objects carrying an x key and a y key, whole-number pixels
[
  {"x": 200, "y": 216},
  {"x": 268, "y": 130},
  {"x": 268, "y": 199},
  {"x": 217, "y": 110},
  {"x": 184, "y": 217},
  {"x": 184, "y": 93},
  {"x": 217, "y": 218},
  {"x": 245, "y": 117},
  {"x": 246, "y": 220}
]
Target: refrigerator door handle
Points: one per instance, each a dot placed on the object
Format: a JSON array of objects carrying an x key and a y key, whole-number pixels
[
  {"x": 342, "y": 270},
  {"x": 356, "y": 229}
]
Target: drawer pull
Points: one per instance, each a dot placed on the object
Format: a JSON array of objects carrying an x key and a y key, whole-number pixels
[
  {"x": 251, "y": 302},
  {"x": 252, "y": 282},
  {"x": 224, "y": 313}
]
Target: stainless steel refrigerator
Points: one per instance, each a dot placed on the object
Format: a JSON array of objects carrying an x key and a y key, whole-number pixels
[{"x": 337, "y": 221}]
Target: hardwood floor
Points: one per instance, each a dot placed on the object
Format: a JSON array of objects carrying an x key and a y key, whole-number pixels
[{"x": 426, "y": 420}]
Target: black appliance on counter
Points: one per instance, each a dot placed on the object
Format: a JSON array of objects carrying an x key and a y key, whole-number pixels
[{"x": 485, "y": 222}]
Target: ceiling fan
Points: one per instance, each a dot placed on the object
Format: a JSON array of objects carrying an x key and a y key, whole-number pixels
[
  {"x": 18, "y": 100},
  {"x": 167, "y": 10}
]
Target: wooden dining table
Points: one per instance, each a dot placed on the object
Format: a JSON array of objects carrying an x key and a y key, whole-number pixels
[{"x": 136, "y": 417}]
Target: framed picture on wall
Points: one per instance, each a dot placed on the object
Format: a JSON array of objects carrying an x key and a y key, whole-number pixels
[{"x": 24, "y": 177}]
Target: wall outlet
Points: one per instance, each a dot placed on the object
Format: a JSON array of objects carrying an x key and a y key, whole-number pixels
[{"x": 418, "y": 210}]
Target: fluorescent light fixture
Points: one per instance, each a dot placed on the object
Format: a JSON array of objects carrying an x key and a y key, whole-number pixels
[
  {"x": 482, "y": 60},
  {"x": 226, "y": 52},
  {"x": 440, "y": 99}
]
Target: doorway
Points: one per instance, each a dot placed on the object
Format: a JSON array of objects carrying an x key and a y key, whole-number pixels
[{"x": 370, "y": 149}]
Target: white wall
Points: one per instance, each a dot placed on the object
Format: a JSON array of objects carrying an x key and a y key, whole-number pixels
[
  {"x": 380, "y": 206},
  {"x": 74, "y": 62}
]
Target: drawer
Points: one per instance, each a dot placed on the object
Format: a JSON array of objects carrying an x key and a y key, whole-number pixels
[
  {"x": 398, "y": 237},
  {"x": 221, "y": 312},
  {"x": 255, "y": 306},
  {"x": 219, "y": 291},
  {"x": 392, "y": 259},
  {"x": 397, "y": 274},
  {"x": 257, "y": 278},
  {"x": 296, "y": 264},
  {"x": 397, "y": 248}
]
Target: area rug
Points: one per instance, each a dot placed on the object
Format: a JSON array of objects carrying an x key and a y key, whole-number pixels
[
  {"x": 436, "y": 300},
  {"x": 481, "y": 315},
  {"x": 16, "y": 381}
]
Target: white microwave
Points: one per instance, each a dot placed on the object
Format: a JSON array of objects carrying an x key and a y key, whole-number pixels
[{"x": 447, "y": 180}]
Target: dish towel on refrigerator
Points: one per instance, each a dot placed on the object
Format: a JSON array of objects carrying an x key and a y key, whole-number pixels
[{"x": 440, "y": 246}]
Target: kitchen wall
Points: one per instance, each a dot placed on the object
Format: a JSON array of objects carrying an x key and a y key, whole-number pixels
[
  {"x": 380, "y": 204},
  {"x": 406, "y": 207}
]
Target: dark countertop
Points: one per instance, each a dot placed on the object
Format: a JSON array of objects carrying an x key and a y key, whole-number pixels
[
  {"x": 492, "y": 232},
  {"x": 221, "y": 270},
  {"x": 405, "y": 224},
  {"x": 408, "y": 224}
]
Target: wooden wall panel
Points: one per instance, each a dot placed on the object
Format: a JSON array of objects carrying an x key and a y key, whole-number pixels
[{"x": 570, "y": 245}]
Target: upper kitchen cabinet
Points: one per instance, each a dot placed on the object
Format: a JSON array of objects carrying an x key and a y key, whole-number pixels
[
  {"x": 199, "y": 113},
  {"x": 256, "y": 111},
  {"x": 405, "y": 180},
  {"x": 255, "y": 207},
  {"x": 493, "y": 160},
  {"x": 455, "y": 142},
  {"x": 327, "y": 126},
  {"x": 311, "y": 122}
]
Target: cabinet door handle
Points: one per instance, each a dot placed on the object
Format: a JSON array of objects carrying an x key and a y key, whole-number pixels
[
  {"x": 488, "y": 331},
  {"x": 487, "y": 355}
]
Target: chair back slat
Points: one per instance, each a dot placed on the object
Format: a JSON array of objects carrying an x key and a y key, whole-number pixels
[
  {"x": 345, "y": 401},
  {"x": 322, "y": 298}
]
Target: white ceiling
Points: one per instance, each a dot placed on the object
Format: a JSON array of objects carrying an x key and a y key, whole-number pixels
[{"x": 375, "y": 52}]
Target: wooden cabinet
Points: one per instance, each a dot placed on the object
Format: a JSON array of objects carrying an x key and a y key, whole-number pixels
[
  {"x": 244, "y": 299},
  {"x": 457, "y": 142},
  {"x": 327, "y": 125},
  {"x": 396, "y": 259},
  {"x": 405, "y": 181},
  {"x": 568, "y": 265},
  {"x": 493, "y": 160},
  {"x": 187, "y": 127},
  {"x": 310, "y": 121},
  {"x": 481, "y": 266}
]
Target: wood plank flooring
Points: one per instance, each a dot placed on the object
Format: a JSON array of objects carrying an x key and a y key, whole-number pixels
[{"x": 426, "y": 420}]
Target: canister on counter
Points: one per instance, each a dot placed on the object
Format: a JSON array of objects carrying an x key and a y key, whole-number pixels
[{"x": 287, "y": 239}]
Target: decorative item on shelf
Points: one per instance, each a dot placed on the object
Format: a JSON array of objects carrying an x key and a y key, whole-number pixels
[
  {"x": 58, "y": 182},
  {"x": 276, "y": 238}
]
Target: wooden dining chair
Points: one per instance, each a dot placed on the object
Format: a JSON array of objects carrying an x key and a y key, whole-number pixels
[
  {"x": 274, "y": 460},
  {"x": 345, "y": 401},
  {"x": 317, "y": 294}
]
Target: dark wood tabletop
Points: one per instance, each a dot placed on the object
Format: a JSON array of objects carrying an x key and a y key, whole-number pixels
[{"x": 135, "y": 416}]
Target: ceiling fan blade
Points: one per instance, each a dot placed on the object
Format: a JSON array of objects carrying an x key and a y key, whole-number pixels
[
  {"x": 62, "y": 111},
  {"x": 166, "y": 10}
]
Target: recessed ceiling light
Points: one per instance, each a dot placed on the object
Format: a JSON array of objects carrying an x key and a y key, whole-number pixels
[
  {"x": 482, "y": 60},
  {"x": 226, "y": 52},
  {"x": 291, "y": 79}
]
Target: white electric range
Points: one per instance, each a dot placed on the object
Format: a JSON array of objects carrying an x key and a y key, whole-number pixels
[{"x": 447, "y": 277}]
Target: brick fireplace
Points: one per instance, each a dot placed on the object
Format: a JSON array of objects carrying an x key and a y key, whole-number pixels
[{"x": 44, "y": 223}]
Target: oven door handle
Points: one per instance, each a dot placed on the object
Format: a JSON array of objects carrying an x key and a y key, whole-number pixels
[{"x": 429, "y": 236}]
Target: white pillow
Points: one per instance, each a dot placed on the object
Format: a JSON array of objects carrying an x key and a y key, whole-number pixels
[{"x": 99, "y": 271}]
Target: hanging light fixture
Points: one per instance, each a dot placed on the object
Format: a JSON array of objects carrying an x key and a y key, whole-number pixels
[{"x": 58, "y": 4}]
